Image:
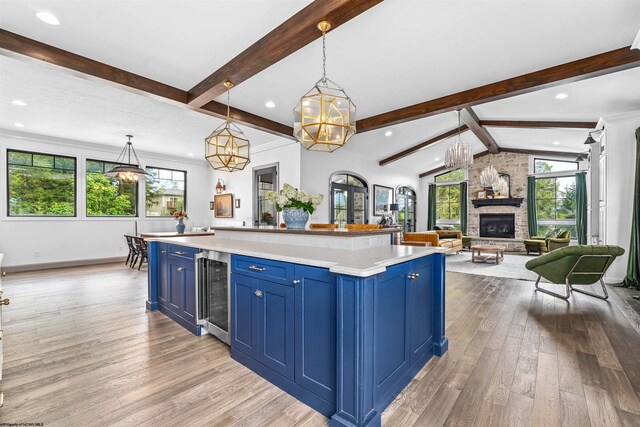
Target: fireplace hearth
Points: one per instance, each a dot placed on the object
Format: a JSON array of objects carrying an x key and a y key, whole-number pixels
[{"x": 498, "y": 225}]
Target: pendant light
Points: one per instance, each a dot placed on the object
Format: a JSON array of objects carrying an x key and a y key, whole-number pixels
[
  {"x": 325, "y": 117},
  {"x": 489, "y": 176},
  {"x": 459, "y": 155},
  {"x": 126, "y": 171},
  {"x": 227, "y": 148}
]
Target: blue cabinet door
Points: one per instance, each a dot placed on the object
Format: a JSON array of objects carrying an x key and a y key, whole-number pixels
[
  {"x": 244, "y": 314},
  {"x": 315, "y": 326},
  {"x": 422, "y": 316},
  {"x": 189, "y": 291},
  {"x": 175, "y": 284},
  {"x": 276, "y": 327},
  {"x": 163, "y": 279}
]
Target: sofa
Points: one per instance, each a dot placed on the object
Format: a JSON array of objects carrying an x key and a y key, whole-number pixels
[
  {"x": 555, "y": 239},
  {"x": 450, "y": 239}
]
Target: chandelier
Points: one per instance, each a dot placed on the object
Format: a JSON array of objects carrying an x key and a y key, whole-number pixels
[
  {"x": 459, "y": 155},
  {"x": 489, "y": 176},
  {"x": 325, "y": 117},
  {"x": 124, "y": 170},
  {"x": 227, "y": 148}
]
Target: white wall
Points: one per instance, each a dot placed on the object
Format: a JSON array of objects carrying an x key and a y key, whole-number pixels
[
  {"x": 316, "y": 170},
  {"x": 285, "y": 153},
  {"x": 620, "y": 165},
  {"x": 28, "y": 241}
]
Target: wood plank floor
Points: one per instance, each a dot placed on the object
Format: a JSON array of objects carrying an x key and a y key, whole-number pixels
[{"x": 80, "y": 349}]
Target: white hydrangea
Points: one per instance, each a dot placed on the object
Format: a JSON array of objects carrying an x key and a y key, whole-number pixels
[
  {"x": 303, "y": 197},
  {"x": 289, "y": 191},
  {"x": 282, "y": 200},
  {"x": 316, "y": 199}
]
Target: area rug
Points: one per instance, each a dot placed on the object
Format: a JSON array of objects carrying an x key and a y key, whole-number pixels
[{"x": 511, "y": 268}]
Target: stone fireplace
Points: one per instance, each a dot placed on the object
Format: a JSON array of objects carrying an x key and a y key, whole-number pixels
[{"x": 497, "y": 225}]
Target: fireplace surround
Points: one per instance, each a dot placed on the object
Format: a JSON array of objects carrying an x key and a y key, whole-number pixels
[{"x": 497, "y": 225}]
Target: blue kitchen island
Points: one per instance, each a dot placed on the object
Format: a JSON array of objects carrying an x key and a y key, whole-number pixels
[{"x": 342, "y": 330}]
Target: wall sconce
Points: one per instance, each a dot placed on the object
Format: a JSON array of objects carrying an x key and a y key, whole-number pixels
[{"x": 220, "y": 187}]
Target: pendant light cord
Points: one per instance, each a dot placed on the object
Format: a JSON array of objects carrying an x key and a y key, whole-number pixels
[
  {"x": 324, "y": 58},
  {"x": 228, "y": 107}
]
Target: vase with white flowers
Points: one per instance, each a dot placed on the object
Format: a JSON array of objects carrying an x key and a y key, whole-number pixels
[{"x": 296, "y": 206}]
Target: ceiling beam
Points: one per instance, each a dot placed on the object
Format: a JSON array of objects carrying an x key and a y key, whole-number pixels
[
  {"x": 593, "y": 66},
  {"x": 417, "y": 147},
  {"x": 470, "y": 118},
  {"x": 292, "y": 35},
  {"x": 538, "y": 124},
  {"x": 540, "y": 152},
  {"x": 15, "y": 43},
  {"x": 443, "y": 168}
]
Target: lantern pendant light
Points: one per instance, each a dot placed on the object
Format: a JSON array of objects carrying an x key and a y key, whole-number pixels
[
  {"x": 227, "y": 149},
  {"x": 325, "y": 117},
  {"x": 459, "y": 155},
  {"x": 489, "y": 177},
  {"x": 124, "y": 170}
]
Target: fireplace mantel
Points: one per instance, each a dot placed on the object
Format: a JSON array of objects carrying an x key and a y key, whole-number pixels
[{"x": 511, "y": 201}]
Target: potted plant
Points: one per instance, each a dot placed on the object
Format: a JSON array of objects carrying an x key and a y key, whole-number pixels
[
  {"x": 296, "y": 206},
  {"x": 180, "y": 216}
]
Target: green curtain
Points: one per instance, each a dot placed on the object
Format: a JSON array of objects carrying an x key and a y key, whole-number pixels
[
  {"x": 463, "y": 208},
  {"x": 532, "y": 217},
  {"x": 633, "y": 266},
  {"x": 431, "y": 217},
  {"x": 581, "y": 207}
]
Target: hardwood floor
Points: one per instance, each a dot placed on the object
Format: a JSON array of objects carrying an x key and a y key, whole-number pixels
[{"x": 80, "y": 349}]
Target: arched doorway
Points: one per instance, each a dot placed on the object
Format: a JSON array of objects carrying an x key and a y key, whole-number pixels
[
  {"x": 406, "y": 200},
  {"x": 349, "y": 198}
]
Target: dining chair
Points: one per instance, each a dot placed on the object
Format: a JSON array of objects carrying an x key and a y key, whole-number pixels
[
  {"x": 141, "y": 251},
  {"x": 132, "y": 249},
  {"x": 323, "y": 226}
]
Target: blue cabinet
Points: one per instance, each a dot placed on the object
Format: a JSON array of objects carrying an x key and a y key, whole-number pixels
[
  {"x": 163, "y": 280},
  {"x": 276, "y": 327},
  {"x": 421, "y": 298}
]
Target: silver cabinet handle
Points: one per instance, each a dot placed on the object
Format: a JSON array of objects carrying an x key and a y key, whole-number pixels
[
  {"x": 413, "y": 276},
  {"x": 297, "y": 282},
  {"x": 179, "y": 253},
  {"x": 254, "y": 268},
  {"x": 416, "y": 275},
  {"x": 163, "y": 252},
  {"x": 258, "y": 294},
  {"x": 180, "y": 269}
]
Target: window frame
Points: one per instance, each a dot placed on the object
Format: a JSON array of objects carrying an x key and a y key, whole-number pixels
[
  {"x": 164, "y": 217},
  {"x": 567, "y": 222},
  {"x": 448, "y": 221},
  {"x": 75, "y": 184},
  {"x": 352, "y": 189},
  {"x": 86, "y": 213},
  {"x": 535, "y": 159}
]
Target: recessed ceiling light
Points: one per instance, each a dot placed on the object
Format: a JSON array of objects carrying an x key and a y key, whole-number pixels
[
  {"x": 19, "y": 102},
  {"x": 556, "y": 142},
  {"x": 48, "y": 17},
  {"x": 19, "y": 125},
  {"x": 388, "y": 133},
  {"x": 270, "y": 104},
  {"x": 190, "y": 154},
  {"x": 436, "y": 159},
  {"x": 562, "y": 95}
]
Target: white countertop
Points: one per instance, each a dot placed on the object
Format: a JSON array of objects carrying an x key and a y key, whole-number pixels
[{"x": 360, "y": 263}]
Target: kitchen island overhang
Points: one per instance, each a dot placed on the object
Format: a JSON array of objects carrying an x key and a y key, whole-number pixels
[{"x": 341, "y": 330}]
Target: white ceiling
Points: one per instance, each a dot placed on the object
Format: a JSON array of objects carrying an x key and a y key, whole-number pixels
[{"x": 398, "y": 53}]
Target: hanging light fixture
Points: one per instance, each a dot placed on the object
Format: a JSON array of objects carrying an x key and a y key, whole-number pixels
[
  {"x": 126, "y": 171},
  {"x": 459, "y": 155},
  {"x": 489, "y": 177},
  {"x": 227, "y": 148},
  {"x": 325, "y": 117}
]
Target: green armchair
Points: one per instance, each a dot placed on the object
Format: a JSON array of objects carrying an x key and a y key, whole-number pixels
[
  {"x": 541, "y": 244},
  {"x": 575, "y": 265}
]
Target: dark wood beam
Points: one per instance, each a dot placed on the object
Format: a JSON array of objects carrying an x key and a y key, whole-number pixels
[
  {"x": 16, "y": 43},
  {"x": 540, "y": 152},
  {"x": 593, "y": 66},
  {"x": 470, "y": 118},
  {"x": 292, "y": 35},
  {"x": 443, "y": 168},
  {"x": 417, "y": 147},
  {"x": 537, "y": 124}
]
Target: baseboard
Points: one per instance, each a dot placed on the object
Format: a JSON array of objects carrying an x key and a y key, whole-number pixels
[{"x": 61, "y": 264}]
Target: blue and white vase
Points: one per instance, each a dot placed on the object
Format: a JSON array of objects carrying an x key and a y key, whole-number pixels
[
  {"x": 180, "y": 225},
  {"x": 295, "y": 218}
]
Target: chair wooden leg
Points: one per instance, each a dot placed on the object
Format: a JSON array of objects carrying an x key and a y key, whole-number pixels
[
  {"x": 604, "y": 290},
  {"x": 127, "y": 261},
  {"x": 564, "y": 297},
  {"x": 133, "y": 261}
]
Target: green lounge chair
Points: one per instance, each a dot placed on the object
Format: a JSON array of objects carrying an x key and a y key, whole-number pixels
[{"x": 575, "y": 265}]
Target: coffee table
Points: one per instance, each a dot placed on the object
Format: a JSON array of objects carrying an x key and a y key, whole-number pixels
[{"x": 493, "y": 253}]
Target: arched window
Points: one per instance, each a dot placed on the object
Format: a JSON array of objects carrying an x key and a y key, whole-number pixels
[
  {"x": 406, "y": 200},
  {"x": 349, "y": 199}
]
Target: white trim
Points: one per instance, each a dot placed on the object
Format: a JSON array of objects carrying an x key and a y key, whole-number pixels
[
  {"x": 636, "y": 42},
  {"x": 278, "y": 143}
]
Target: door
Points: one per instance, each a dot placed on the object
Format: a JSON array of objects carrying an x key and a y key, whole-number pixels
[
  {"x": 349, "y": 204},
  {"x": 175, "y": 284},
  {"x": 407, "y": 211},
  {"x": 264, "y": 211},
  {"x": 244, "y": 314},
  {"x": 276, "y": 327},
  {"x": 3, "y": 301},
  {"x": 422, "y": 316},
  {"x": 163, "y": 279}
]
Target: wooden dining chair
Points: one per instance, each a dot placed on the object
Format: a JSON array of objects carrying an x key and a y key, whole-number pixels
[
  {"x": 361, "y": 227},
  {"x": 323, "y": 226},
  {"x": 132, "y": 249},
  {"x": 141, "y": 251}
]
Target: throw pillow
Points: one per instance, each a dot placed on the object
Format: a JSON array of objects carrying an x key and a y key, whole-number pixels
[
  {"x": 437, "y": 227},
  {"x": 449, "y": 236}
]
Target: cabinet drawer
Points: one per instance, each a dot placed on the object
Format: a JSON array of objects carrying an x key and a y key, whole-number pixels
[
  {"x": 275, "y": 271},
  {"x": 182, "y": 251}
]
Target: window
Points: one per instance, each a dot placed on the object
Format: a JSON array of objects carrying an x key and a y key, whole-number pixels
[
  {"x": 455, "y": 175},
  {"x": 108, "y": 196},
  {"x": 544, "y": 165},
  {"x": 40, "y": 184},
  {"x": 406, "y": 200},
  {"x": 265, "y": 179},
  {"x": 556, "y": 204},
  {"x": 349, "y": 199},
  {"x": 448, "y": 205},
  {"x": 165, "y": 192}
]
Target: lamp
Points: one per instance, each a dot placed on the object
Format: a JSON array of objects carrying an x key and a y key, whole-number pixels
[
  {"x": 325, "y": 117},
  {"x": 393, "y": 208},
  {"x": 590, "y": 139},
  {"x": 220, "y": 186},
  {"x": 459, "y": 155},
  {"x": 227, "y": 148},
  {"x": 126, "y": 171}
]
